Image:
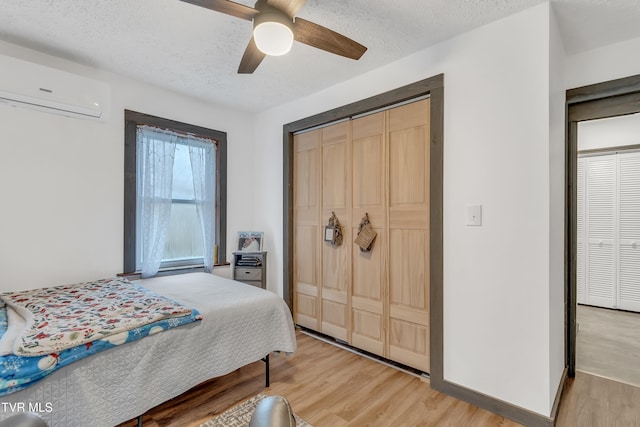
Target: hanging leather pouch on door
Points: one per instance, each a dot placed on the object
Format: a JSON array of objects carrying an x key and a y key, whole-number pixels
[
  {"x": 366, "y": 235},
  {"x": 333, "y": 231}
]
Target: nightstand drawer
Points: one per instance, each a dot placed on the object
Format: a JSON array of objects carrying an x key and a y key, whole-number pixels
[{"x": 246, "y": 273}]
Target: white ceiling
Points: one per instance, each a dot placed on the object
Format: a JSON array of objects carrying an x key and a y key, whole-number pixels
[{"x": 197, "y": 51}]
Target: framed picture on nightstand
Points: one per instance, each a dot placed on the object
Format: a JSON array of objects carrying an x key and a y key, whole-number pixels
[{"x": 249, "y": 241}]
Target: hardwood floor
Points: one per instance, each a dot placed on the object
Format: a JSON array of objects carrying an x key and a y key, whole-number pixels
[
  {"x": 332, "y": 387},
  {"x": 608, "y": 343},
  {"x": 592, "y": 401}
]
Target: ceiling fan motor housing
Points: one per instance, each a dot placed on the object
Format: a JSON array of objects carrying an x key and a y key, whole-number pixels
[{"x": 273, "y": 32}]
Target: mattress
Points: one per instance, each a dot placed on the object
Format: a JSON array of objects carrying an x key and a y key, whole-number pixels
[{"x": 241, "y": 324}]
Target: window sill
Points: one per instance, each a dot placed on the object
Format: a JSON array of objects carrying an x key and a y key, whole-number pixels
[{"x": 170, "y": 271}]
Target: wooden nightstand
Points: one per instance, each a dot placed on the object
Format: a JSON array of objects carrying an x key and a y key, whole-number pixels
[{"x": 250, "y": 268}]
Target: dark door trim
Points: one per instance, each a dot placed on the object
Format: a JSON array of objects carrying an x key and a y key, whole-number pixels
[{"x": 613, "y": 98}]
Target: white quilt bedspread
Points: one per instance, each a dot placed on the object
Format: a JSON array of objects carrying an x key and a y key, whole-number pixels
[{"x": 241, "y": 324}]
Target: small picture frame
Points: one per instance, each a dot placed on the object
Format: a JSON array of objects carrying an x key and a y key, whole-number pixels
[
  {"x": 329, "y": 235},
  {"x": 249, "y": 241}
]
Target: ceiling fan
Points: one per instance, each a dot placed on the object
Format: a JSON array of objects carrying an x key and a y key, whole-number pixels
[{"x": 275, "y": 27}]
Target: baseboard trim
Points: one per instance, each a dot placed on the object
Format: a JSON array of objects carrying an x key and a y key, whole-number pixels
[
  {"x": 555, "y": 410},
  {"x": 497, "y": 406}
]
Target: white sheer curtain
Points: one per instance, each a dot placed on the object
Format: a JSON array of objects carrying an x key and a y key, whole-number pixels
[
  {"x": 156, "y": 151},
  {"x": 203, "y": 161}
]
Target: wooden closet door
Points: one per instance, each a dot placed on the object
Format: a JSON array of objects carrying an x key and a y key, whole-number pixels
[
  {"x": 336, "y": 198},
  {"x": 308, "y": 228},
  {"x": 409, "y": 234},
  {"x": 368, "y": 309}
]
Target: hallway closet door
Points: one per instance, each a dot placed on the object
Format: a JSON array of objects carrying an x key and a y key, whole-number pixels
[
  {"x": 601, "y": 215},
  {"x": 608, "y": 249},
  {"x": 629, "y": 229}
]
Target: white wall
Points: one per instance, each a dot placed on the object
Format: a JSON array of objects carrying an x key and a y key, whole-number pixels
[
  {"x": 606, "y": 63},
  {"x": 497, "y": 152},
  {"x": 557, "y": 207},
  {"x": 62, "y": 179},
  {"x": 610, "y": 132}
]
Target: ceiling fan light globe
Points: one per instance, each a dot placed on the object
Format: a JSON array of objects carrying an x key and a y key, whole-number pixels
[{"x": 273, "y": 38}]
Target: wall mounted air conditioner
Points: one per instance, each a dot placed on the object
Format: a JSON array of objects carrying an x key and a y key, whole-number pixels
[{"x": 34, "y": 86}]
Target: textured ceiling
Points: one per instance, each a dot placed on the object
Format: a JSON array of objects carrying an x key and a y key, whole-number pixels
[{"x": 196, "y": 51}]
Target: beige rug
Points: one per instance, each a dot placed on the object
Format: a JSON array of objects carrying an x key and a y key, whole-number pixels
[{"x": 240, "y": 415}]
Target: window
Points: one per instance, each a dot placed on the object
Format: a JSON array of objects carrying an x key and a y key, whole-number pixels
[
  {"x": 175, "y": 195},
  {"x": 184, "y": 238}
]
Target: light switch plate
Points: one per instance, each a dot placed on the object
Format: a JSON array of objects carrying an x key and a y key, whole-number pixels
[{"x": 474, "y": 215}]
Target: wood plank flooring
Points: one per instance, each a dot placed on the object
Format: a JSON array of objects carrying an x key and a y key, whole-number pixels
[
  {"x": 608, "y": 343},
  {"x": 332, "y": 387},
  {"x": 592, "y": 401}
]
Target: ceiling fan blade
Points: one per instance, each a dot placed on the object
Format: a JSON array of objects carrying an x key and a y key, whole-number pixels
[
  {"x": 290, "y": 7},
  {"x": 227, "y": 7},
  {"x": 251, "y": 59},
  {"x": 323, "y": 38}
]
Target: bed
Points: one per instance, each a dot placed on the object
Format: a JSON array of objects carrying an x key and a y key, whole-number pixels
[{"x": 240, "y": 324}]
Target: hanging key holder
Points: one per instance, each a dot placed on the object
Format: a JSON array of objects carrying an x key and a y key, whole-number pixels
[
  {"x": 366, "y": 235},
  {"x": 333, "y": 231}
]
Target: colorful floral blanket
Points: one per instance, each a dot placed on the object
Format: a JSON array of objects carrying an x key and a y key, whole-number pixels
[
  {"x": 63, "y": 317},
  {"x": 17, "y": 371}
]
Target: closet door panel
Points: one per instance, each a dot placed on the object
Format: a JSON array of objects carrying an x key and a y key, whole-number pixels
[
  {"x": 406, "y": 165},
  {"x": 369, "y": 170},
  {"x": 369, "y": 268},
  {"x": 409, "y": 234},
  {"x": 369, "y": 271},
  {"x": 335, "y": 282},
  {"x": 307, "y": 177},
  {"x": 601, "y": 275},
  {"x": 409, "y": 343},
  {"x": 369, "y": 180},
  {"x": 367, "y": 301},
  {"x": 629, "y": 229},
  {"x": 334, "y": 319},
  {"x": 409, "y": 167},
  {"x": 334, "y": 176},
  {"x": 336, "y": 260},
  {"x": 306, "y": 253},
  {"x": 600, "y": 180},
  {"x": 408, "y": 250},
  {"x": 368, "y": 331},
  {"x": 307, "y": 229},
  {"x": 367, "y": 126},
  {"x": 629, "y": 277}
]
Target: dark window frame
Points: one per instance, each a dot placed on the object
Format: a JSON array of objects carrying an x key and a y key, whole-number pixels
[{"x": 132, "y": 120}]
